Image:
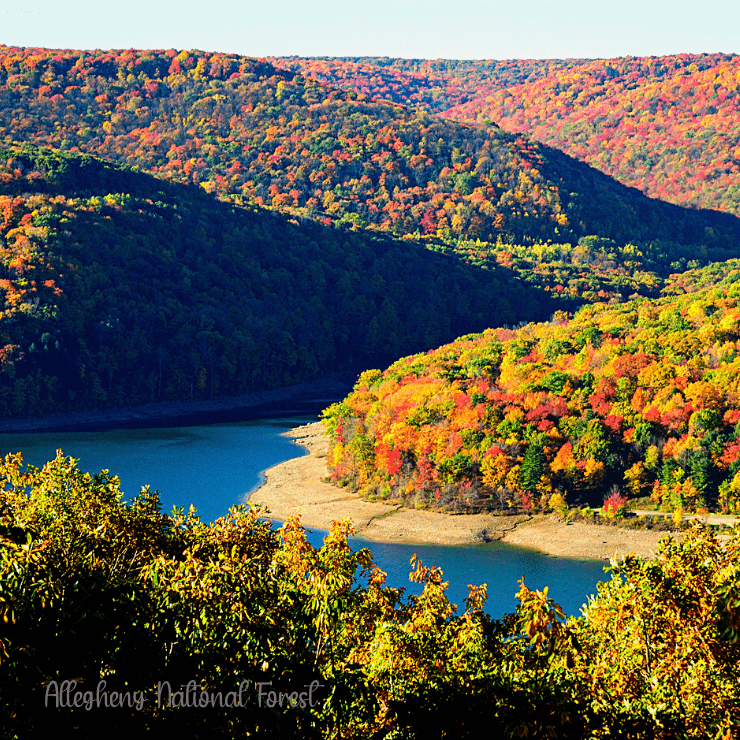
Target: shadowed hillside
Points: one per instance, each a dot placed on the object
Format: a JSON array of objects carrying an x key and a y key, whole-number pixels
[{"x": 118, "y": 288}]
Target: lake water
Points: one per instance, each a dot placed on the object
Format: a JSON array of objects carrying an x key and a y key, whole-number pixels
[{"x": 216, "y": 466}]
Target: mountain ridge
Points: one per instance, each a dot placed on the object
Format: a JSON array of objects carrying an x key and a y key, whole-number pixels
[
  {"x": 250, "y": 132},
  {"x": 664, "y": 114}
]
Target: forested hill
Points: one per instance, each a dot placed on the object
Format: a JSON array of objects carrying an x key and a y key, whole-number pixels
[
  {"x": 435, "y": 85},
  {"x": 118, "y": 288},
  {"x": 641, "y": 398},
  {"x": 245, "y": 130},
  {"x": 666, "y": 125}
]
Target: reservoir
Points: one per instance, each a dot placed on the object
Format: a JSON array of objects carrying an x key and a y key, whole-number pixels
[{"x": 216, "y": 466}]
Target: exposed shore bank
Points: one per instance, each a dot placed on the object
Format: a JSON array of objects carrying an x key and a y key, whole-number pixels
[
  {"x": 298, "y": 487},
  {"x": 302, "y": 398}
]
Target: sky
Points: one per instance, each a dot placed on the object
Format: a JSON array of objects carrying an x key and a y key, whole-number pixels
[{"x": 412, "y": 29}]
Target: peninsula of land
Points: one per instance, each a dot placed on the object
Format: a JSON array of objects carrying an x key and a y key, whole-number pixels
[{"x": 299, "y": 486}]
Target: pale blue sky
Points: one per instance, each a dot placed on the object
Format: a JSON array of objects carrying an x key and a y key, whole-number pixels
[{"x": 464, "y": 29}]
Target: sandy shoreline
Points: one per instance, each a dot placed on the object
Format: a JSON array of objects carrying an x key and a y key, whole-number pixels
[{"x": 297, "y": 487}]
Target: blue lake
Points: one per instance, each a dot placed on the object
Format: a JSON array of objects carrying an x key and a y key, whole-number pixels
[{"x": 216, "y": 466}]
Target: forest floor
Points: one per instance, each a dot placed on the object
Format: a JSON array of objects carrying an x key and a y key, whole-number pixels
[{"x": 298, "y": 486}]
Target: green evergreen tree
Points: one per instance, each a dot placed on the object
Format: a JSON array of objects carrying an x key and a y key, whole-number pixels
[
  {"x": 700, "y": 470},
  {"x": 533, "y": 466}
]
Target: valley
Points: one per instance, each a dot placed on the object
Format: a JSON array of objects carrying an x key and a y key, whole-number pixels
[{"x": 513, "y": 288}]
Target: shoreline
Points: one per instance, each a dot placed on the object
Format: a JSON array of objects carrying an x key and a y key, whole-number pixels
[
  {"x": 297, "y": 486},
  {"x": 296, "y": 399}
]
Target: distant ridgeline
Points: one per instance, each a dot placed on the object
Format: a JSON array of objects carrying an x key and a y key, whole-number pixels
[
  {"x": 392, "y": 230},
  {"x": 118, "y": 289},
  {"x": 245, "y": 130},
  {"x": 669, "y": 125},
  {"x": 643, "y": 396}
]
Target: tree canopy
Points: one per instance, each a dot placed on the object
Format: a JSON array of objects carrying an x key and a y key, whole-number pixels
[
  {"x": 640, "y": 396},
  {"x": 96, "y": 589},
  {"x": 119, "y": 288}
]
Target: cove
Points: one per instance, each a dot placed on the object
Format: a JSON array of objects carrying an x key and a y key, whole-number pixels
[{"x": 216, "y": 466}]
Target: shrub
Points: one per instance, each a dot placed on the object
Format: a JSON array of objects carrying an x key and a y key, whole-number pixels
[
  {"x": 558, "y": 504},
  {"x": 615, "y": 506}
]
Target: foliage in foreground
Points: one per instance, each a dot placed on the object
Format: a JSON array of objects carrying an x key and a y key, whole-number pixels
[{"x": 95, "y": 588}]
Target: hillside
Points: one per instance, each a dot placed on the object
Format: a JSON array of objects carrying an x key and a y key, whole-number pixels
[
  {"x": 434, "y": 85},
  {"x": 495, "y": 229},
  {"x": 249, "y": 132},
  {"x": 641, "y": 397},
  {"x": 244, "y": 227},
  {"x": 118, "y": 289},
  {"x": 666, "y": 125}
]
